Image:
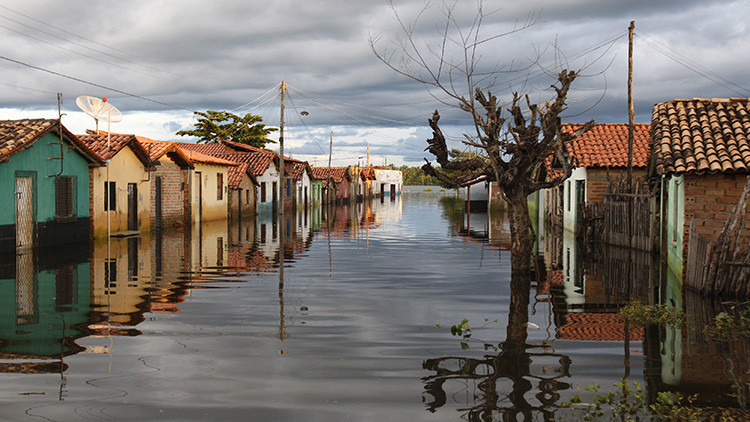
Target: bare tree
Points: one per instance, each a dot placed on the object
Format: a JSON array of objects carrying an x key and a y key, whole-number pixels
[{"x": 514, "y": 148}]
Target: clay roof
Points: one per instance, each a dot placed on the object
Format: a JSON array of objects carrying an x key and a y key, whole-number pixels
[
  {"x": 243, "y": 162},
  {"x": 597, "y": 327},
  {"x": 210, "y": 149},
  {"x": 15, "y": 135},
  {"x": 368, "y": 173},
  {"x": 157, "y": 149},
  {"x": 337, "y": 173},
  {"x": 606, "y": 145},
  {"x": 198, "y": 157},
  {"x": 296, "y": 167},
  {"x": 702, "y": 135},
  {"x": 98, "y": 144}
]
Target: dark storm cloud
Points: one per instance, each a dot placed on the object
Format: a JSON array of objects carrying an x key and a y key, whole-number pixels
[{"x": 220, "y": 55}]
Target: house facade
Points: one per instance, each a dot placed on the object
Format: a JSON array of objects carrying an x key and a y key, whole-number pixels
[
  {"x": 388, "y": 182},
  {"x": 120, "y": 190},
  {"x": 170, "y": 184},
  {"x": 209, "y": 186},
  {"x": 598, "y": 156},
  {"x": 44, "y": 185},
  {"x": 701, "y": 160}
]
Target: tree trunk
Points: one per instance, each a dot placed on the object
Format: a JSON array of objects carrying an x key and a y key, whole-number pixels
[{"x": 520, "y": 232}]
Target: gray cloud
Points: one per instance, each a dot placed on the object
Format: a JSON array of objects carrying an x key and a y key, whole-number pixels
[{"x": 224, "y": 54}]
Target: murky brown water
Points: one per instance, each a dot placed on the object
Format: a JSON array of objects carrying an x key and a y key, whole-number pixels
[{"x": 204, "y": 326}]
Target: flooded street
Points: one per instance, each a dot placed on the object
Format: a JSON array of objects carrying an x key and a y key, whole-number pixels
[{"x": 204, "y": 325}]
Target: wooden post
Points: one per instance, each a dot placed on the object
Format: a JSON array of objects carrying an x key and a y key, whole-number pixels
[{"x": 631, "y": 111}]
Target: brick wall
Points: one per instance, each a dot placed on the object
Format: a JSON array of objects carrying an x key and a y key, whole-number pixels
[
  {"x": 597, "y": 180},
  {"x": 710, "y": 199},
  {"x": 174, "y": 194}
]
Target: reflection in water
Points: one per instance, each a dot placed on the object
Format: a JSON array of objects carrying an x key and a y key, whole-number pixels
[
  {"x": 348, "y": 321},
  {"x": 502, "y": 381}
]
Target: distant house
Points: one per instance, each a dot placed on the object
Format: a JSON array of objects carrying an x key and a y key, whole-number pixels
[
  {"x": 44, "y": 180},
  {"x": 599, "y": 156},
  {"x": 301, "y": 176},
  {"x": 170, "y": 184},
  {"x": 120, "y": 190},
  {"x": 356, "y": 183},
  {"x": 388, "y": 182},
  {"x": 242, "y": 186},
  {"x": 701, "y": 159},
  {"x": 318, "y": 177},
  {"x": 336, "y": 187},
  {"x": 262, "y": 164}
]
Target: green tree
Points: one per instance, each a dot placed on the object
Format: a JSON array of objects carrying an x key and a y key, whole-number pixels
[{"x": 215, "y": 126}]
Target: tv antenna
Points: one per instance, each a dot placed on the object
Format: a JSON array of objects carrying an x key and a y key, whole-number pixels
[{"x": 99, "y": 110}]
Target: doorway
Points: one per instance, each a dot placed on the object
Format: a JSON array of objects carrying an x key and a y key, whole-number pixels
[
  {"x": 24, "y": 213},
  {"x": 132, "y": 207}
]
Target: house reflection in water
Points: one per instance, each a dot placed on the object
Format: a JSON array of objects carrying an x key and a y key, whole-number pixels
[{"x": 44, "y": 308}]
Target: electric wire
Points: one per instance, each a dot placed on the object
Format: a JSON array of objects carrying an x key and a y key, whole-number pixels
[
  {"x": 270, "y": 91},
  {"x": 692, "y": 65},
  {"x": 73, "y": 78},
  {"x": 313, "y": 137},
  {"x": 25, "y": 87}
]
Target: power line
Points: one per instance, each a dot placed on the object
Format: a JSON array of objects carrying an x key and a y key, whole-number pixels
[
  {"x": 95, "y": 84},
  {"x": 691, "y": 65},
  {"x": 24, "y": 87},
  {"x": 273, "y": 91}
]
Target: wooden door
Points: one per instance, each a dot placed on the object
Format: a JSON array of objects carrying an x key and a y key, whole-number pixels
[
  {"x": 132, "y": 206},
  {"x": 24, "y": 213}
]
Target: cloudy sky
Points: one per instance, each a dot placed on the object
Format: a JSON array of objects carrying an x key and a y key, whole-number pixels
[{"x": 157, "y": 61}]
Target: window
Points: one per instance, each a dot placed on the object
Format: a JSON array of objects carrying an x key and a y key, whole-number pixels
[
  {"x": 288, "y": 187},
  {"x": 110, "y": 196},
  {"x": 64, "y": 197},
  {"x": 247, "y": 196},
  {"x": 219, "y": 187},
  {"x": 262, "y": 191}
]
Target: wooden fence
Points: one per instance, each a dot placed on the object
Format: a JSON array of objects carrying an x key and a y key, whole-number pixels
[
  {"x": 721, "y": 267},
  {"x": 624, "y": 219}
]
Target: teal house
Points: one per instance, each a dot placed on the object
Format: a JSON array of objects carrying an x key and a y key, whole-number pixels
[{"x": 44, "y": 185}]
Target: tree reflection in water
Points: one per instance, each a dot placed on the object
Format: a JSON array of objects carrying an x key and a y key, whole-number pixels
[{"x": 503, "y": 380}]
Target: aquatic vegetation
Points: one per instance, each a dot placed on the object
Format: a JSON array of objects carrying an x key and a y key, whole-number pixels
[{"x": 641, "y": 314}]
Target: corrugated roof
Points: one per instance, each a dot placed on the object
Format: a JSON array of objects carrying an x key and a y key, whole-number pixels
[
  {"x": 606, "y": 145},
  {"x": 702, "y": 136}
]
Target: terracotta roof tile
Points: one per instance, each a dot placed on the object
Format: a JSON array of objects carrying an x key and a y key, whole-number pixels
[
  {"x": 98, "y": 144},
  {"x": 606, "y": 145},
  {"x": 15, "y": 135},
  {"x": 596, "y": 327},
  {"x": 702, "y": 135},
  {"x": 337, "y": 173},
  {"x": 157, "y": 149}
]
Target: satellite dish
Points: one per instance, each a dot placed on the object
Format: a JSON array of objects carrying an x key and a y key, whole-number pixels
[{"x": 99, "y": 109}]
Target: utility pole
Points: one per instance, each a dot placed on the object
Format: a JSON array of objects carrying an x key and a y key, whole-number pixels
[
  {"x": 329, "y": 183},
  {"x": 631, "y": 111},
  {"x": 281, "y": 151}
]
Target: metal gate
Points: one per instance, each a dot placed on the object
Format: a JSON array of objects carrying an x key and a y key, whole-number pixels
[{"x": 24, "y": 213}]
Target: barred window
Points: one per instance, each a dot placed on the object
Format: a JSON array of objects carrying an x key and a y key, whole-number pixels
[{"x": 64, "y": 197}]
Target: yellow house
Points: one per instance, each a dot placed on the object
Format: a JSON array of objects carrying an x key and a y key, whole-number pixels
[
  {"x": 119, "y": 201},
  {"x": 209, "y": 182}
]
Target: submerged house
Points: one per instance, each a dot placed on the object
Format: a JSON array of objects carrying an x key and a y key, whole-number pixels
[
  {"x": 388, "y": 182},
  {"x": 242, "y": 186},
  {"x": 209, "y": 186},
  {"x": 120, "y": 190},
  {"x": 701, "y": 159},
  {"x": 170, "y": 184},
  {"x": 598, "y": 156},
  {"x": 44, "y": 184}
]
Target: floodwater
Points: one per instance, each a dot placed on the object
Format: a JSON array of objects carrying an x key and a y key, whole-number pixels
[{"x": 204, "y": 325}]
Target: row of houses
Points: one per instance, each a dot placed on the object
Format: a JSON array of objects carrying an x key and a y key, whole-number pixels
[
  {"x": 57, "y": 187},
  {"x": 692, "y": 160}
]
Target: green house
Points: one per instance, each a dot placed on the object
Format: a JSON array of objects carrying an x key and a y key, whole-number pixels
[{"x": 44, "y": 185}]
